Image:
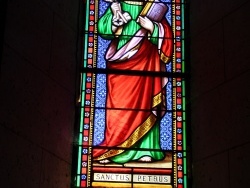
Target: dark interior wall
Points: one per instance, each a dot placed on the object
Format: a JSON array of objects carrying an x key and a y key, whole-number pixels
[
  {"x": 37, "y": 93},
  {"x": 220, "y": 89}
]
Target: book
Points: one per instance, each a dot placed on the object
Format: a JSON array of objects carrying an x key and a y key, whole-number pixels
[{"x": 154, "y": 10}]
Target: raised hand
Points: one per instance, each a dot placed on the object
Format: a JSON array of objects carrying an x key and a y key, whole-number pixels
[{"x": 115, "y": 7}]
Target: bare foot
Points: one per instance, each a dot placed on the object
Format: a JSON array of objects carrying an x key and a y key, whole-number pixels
[
  {"x": 145, "y": 159},
  {"x": 104, "y": 161}
]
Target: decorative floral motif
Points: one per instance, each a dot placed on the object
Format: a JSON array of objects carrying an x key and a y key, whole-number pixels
[
  {"x": 83, "y": 177},
  {"x": 179, "y": 155},
  {"x": 85, "y": 151},
  {"x": 84, "y": 164}
]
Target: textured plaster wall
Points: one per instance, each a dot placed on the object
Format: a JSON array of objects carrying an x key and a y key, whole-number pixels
[
  {"x": 220, "y": 89},
  {"x": 37, "y": 93}
]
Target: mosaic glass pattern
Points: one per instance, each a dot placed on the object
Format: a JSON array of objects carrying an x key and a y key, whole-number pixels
[{"x": 132, "y": 158}]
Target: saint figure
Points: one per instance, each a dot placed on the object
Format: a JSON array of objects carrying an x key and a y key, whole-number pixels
[{"x": 135, "y": 104}]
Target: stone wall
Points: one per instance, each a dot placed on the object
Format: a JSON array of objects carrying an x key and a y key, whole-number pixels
[
  {"x": 220, "y": 89},
  {"x": 37, "y": 96}
]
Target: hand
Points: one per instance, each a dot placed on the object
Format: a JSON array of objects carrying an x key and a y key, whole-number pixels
[
  {"x": 115, "y": 7},
  {"x": 146, "y": 23}
]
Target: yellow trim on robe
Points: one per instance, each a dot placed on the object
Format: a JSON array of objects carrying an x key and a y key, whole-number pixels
[
  {"x": 137, "y": 134},
  {"x": 157, "y": 100},
  {"x": 164, "y": 58},
  {"x": 133, "y": 2}
]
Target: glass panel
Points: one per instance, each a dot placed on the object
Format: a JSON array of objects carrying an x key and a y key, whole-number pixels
[{"x": 132, "y": 128}]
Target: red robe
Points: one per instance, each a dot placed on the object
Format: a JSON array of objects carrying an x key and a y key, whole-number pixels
[{"x": 131, "y": 99}]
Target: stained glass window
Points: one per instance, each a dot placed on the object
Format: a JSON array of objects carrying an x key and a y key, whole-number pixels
[{"x": 132, "y": 128}]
